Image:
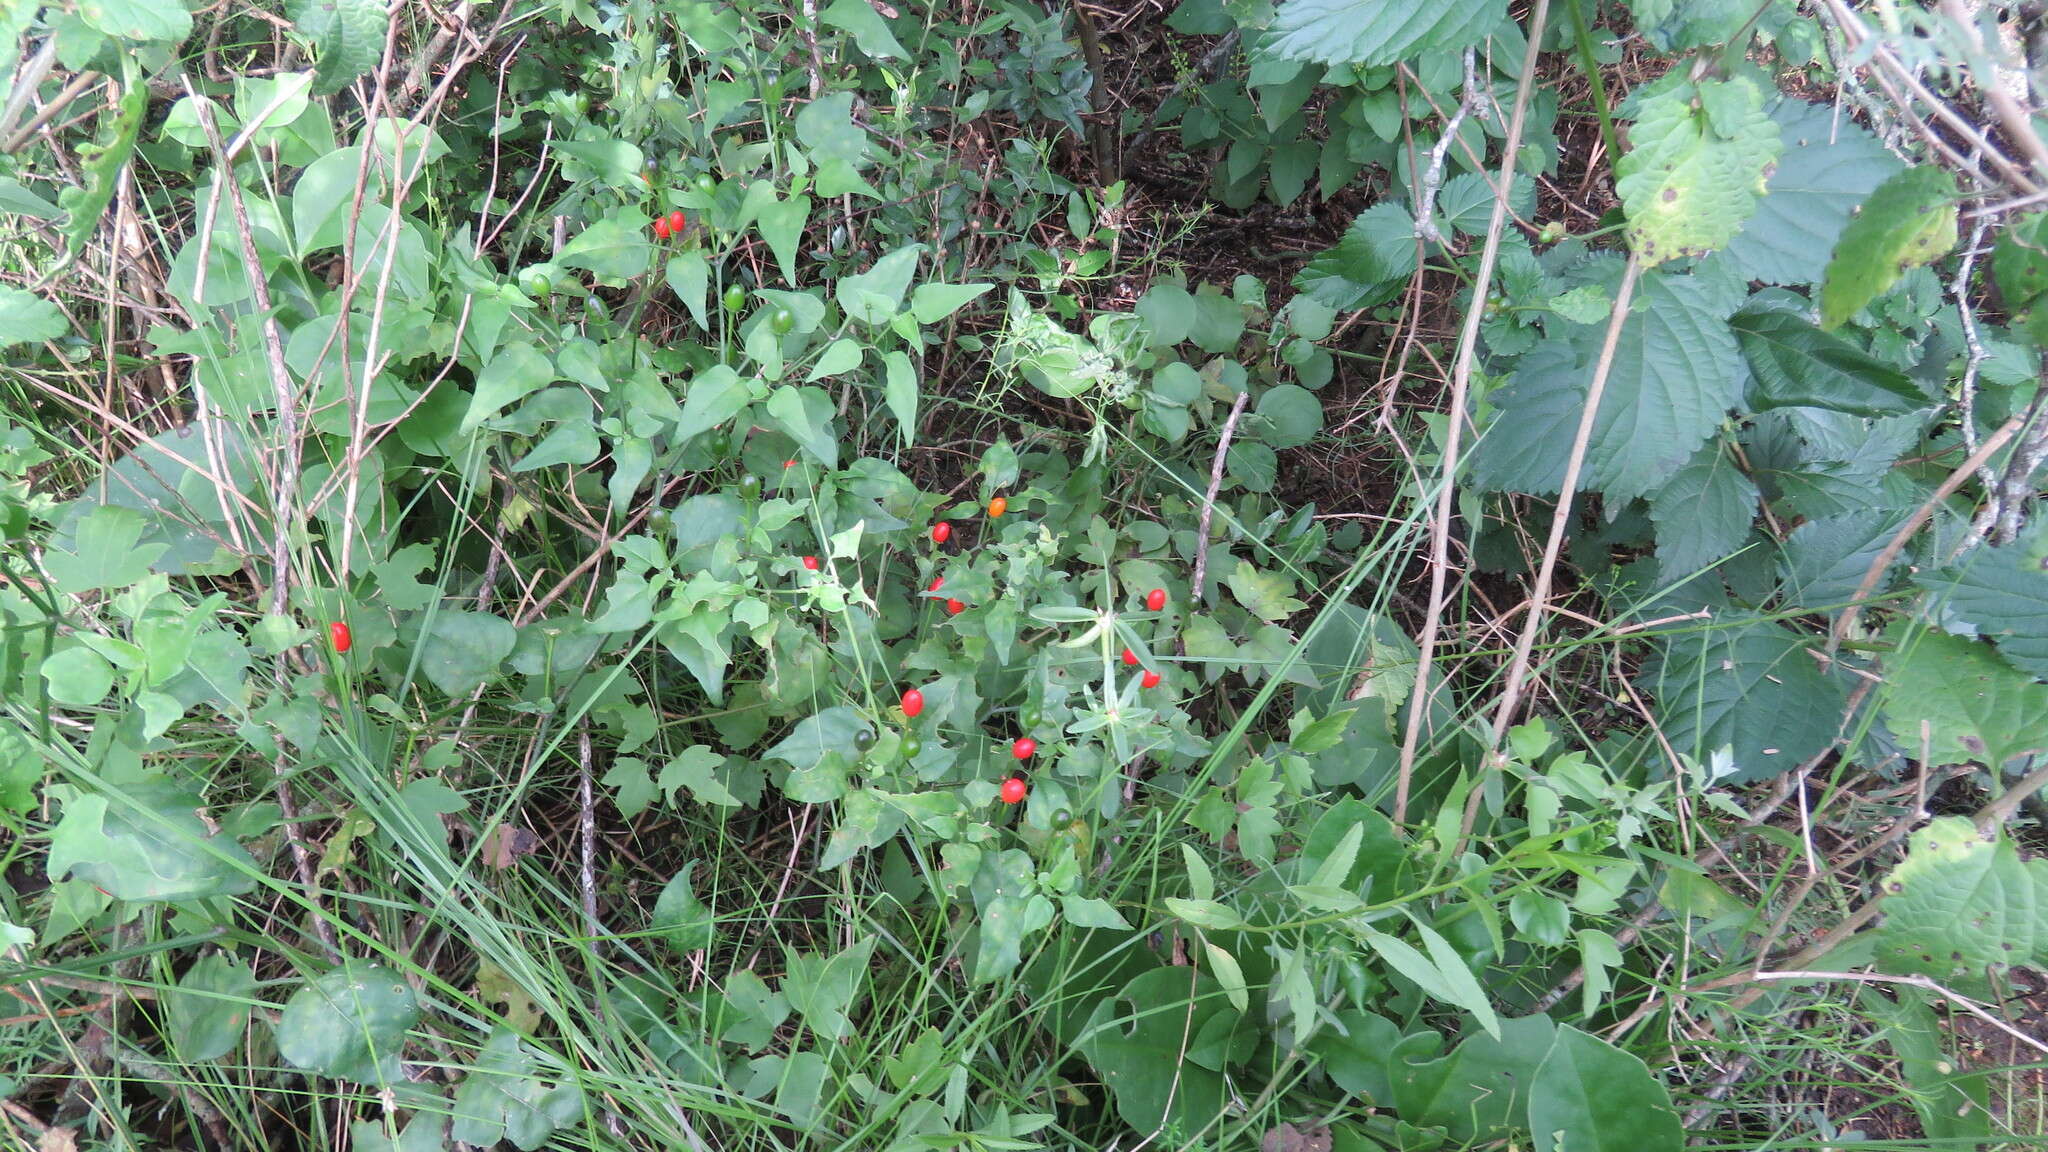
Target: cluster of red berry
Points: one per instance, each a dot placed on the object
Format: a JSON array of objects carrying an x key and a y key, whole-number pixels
[{"x": 670, "y": 225}]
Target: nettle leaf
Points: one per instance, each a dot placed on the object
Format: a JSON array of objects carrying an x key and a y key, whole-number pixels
[
  {"x": 2003, "y": 593},
  {"x": 1976, "y": 708},
  {"x": 1590, "y": 1096},
  {"x": 1909, "y": 221},
  {"x": 1829, "y": 166},
  {"x": 1748, "y": 685},
  {"x": 1677, "y": 372},
  {"x": 1796, "y": 365},
  {"x": 1695, "y": 166},
  {"x": 161, "y": 852},
  {"x": 348, "y": 33},
  {"x": 349, "y": 1024},
  {"x": 1824, "y": 560},
  {"x": 1675, "y": 25},
  {"x": 1367, "y": 267},
  {"x": 1703, "y": 514},
  {"x": 1961, "y": 906},
  {"x": 1371, "y": 33}
]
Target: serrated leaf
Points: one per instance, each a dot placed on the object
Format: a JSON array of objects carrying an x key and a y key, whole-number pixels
[
  {"x": 1750, "y": 685},
  {"x": 1796, "y": 365},
  {"x": 2003, "y": 592},
  {"x": 1909, "y": 221},
  {"x": 1824, "y": 560},
  {"x": 1830, "y": 165},
  {"x": 1368, "y": 266},
  {"x": 1695, "y": 166},
  {"x": 1961, "y": 906},
  {"x": 349, "y": 34},
  {"x": 1677, "y": 372},
  {"x": 1673, "y": 25},
  {"x": 1703, "y": 514},
  {"x": 1371, "y": 33},
  {"x": 1976, "y": 708}
]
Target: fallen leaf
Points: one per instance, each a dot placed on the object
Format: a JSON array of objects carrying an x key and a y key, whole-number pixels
[
  {"x": 504, "y": 844},
  {"x": 1288, "y": 1138}
]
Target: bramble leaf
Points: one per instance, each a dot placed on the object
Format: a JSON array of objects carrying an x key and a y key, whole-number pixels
[
  {"x": 1697, "y": 161},
  {"x": 1371, "y": 33},
  {"x": 1976, "y": 709}
]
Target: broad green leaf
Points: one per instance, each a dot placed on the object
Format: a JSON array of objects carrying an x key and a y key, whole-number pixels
[
  {"x": 1228, "y": 975},
  {"x": 816, "y": 752},
  {"x": 615, "y": 248},
  {"x": 1460, "y": 986},
  {"x": 1677, "y": 373},
  {"x": 1590, "y": 1096},
  {"x": 21, "y": 769},
  {"x": 1676, "y": 25},
  {"x": 78, "y": 677},
  {"x": 510, "y": 1094},
  {"x": 931, "y": 303},
  {"x": 350, "y": 35},
  {"x": 1909, "y": 221},
  {"x": 26, "y": 318},
  {"x": 1368, "y": 266},
  {"x": 1137, "y": 1039},
  {"x": 1355, "y": 1052},
  {"x": 164, "y": 20},
  {"x": 682, "y": 919},
  {"x": 689, "y": 277},
  {"x": 1749, "y": 685},
  {"x": 1829, "y": 165},
  {"x": 1205, "y": 913},
  {"x": 827, "y": 127},
  {"x": 106, "y": 552},
  {"x": 825, "y": 989},
  {"x": 516, "y": 372},
  {"x": 162, "y": 852},
  {"x": 781, "y": 224},
  {"x": 632, "y": 785},
  {"x": 1695, "y": 166},
  {"x": 1703, "y": 513},
  {"x": 866, "y": 25},
  {"x": 1962, "y": 906},
  {"x": 208, "y": 1011},
  {"x": 17, "y": 200},
  {"x": 899, "y": 389},
  {"x": 2003, "y": 591},
  {"x": 1010, "y": 910},
  {"x": 1091, "y": 912},
  {"x": 1267, "y": 595},
  {"x": 806, "y": 414},
  {"x": 1796, "y": 365},
  {"x": 349, "y": 1024},
  {"x": 460, "y": 651},
  {"x": 1373, "y": 33},
  {"x": 875, "y": 296},
  {"x": 842, "y": 355},
  {"x": 2019, "y": 264},
  {"x": 1824, "y": 560},
  {"x": 716, "y": 395},
  {"x": 1479, "y": 1093},
  {"x": 1975, "y": 707},
  {"x": 1955, "y": 1111},
  {"x": 1289, "y": 416}
]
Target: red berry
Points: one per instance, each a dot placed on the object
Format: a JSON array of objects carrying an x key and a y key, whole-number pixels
[
  {"x": 913, "y": 702},
  {"x": 955, "y": 607},
  {"x": 811, "y": 562},
  {"x": 941, "y": 532},
  {"x": 1155, "y": 600},
  {"x": 342, "y": 637},
  {"x": 676, "y": 221},
  {"x": 1014, "y": 790},
  {"x": 1023, "y": 747},
  {"x": 1130, "y": 658},
  {"x": 661, "y": 227},
  {"x": 938, "y": 582},
  {"x": 789, "y": 463},
  {"x": 1149, "y": 680},
  {"x": 997, "y": 507}
]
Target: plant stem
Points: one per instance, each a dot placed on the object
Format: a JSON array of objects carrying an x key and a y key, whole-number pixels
[{"x": 1582, "y": 45}]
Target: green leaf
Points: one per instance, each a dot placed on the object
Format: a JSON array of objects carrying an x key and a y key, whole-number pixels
[
  {"x": 1205, "y": 913},
  {"x": 1456, "y": 988},
  {"x": 1373, "y": 33},
  {"x": 899, "y": 389},
  {"x": 2003, "y": 592},
  {"x": 806, "y": 414},
  {"x": 1137, "y": 1042},
  {"x": 160, "y": 852},
  {"x": 1010, "y": 910},
  {"x": 507, "y": 1095},
  {"x": 1462, "y": 988},
  {"x": 1796, "y": 365},
  {"x": 1749, "y": 685},
  {"x": 1267, "y": 595},
  {"x": 931, "y": 303},
  {"x": 461, "y": 651},
  {"x": 716, "y": 395},
  {"x": 1695, "y": 166},
  {"x": 875, "y": 296},
  {"x": 1824, "y": 560},
  {"x": 516, "y": 372},
  {"x": 208, "y": 1011},
  {"x": 1355, "y": 1051},
  {"x": 17, "y": 200},
  {"x": 2019, "y": 264},
  {"x": 1479, "y": 1093},
  {"x": 1962, "y": 906},
  {"x": 1677, "y": 373},
  {"x": 1368, "y": 266},
  {"x": 689, "y": 277},
  {"x": 1675, "y": 25},
  {"x": 106, "y": 552},
  {"x": 680, "y": 918},
  {"x": 1909, "y": 221},
  {"x": 349, "y": 1024},
  {"x": 1830, "y": 165},
  {"x": 615, "y": 248},
  {"x": 166, "y": 20},
  {"x": 631, "y": 784},
  {"x": 781, "y": 224},
  {"x": 1975, "y": 707},
  {"x": 21, "y": 769},
  {"x": 818, "y": 744},
  {"x": 866, "y": 25},
  {"x": 349, "y": 35},
  {"x": 824, "y": 989},
  {"x": 1590, "y": 1096},
  {"x": 1290, "y": 414},
  {"x": 26, "y": 318},
  {"x": 1703, "y": 513},
  {"x": 1229, "y": 976},
  {"x": 841, "y": 355},
  {"x": 1091, "y": 912}
]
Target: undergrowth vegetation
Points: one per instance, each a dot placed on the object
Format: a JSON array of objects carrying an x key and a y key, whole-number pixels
[{"x": 1295, "y": 575}]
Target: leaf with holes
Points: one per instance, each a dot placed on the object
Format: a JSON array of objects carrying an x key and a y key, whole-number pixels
[
  {"x": 1695, "y": 166},
  {"x": 1976, "y": 708},
  {"x": 1961, "y": 906},
  {"x": 1830, "y": 165}
]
